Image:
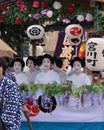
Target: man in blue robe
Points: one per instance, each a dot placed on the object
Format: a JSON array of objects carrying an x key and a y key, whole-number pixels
[{"x": 10, "y": 111}]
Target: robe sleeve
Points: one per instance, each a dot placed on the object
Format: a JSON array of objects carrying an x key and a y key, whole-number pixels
[{"x": 11, "y": 112}]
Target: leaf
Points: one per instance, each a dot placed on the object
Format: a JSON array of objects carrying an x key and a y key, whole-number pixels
[{"x": 58, "y": 89}]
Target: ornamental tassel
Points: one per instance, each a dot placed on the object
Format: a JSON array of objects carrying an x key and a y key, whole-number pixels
[
  {"x": 66, "y": 99},
  {"x": 92, "y": 98},
  {"x": 98, "y": 98}
]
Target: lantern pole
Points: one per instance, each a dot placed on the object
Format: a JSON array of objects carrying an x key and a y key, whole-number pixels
[{"x": 33, "y": 49}]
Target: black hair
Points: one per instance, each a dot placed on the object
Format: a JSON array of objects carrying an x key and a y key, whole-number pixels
[
  {"x": 47, "y": 56},
  {"x": 38, "y": 60},
  {"x": 82, "y": 61},
  {"x": 18, "y": 59},
  {"x": 58, "y": 61},
  {"x": 8, "y": 61},
  {"x": 3, "y": 64},
  {"x": 31, "y": 58}
]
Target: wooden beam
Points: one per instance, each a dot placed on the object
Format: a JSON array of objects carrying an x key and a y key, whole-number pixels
[
  {"x": 6, "y": 2},
  {"x": 99, "y": 1}
]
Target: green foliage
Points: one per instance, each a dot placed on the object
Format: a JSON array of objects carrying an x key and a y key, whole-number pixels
[
  {"x": 58, "y": 89},
  {"x": 14, "y": 32}
]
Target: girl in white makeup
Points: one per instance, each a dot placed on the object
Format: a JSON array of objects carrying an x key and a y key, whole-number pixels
[
  {"x": 47, "y": 75},
  {"x": 78, "y": 78},
  {"x": 57, "y": 66},
  {"x": 18, "y": 65},
  {"x": 83, "y": 107},
  {"x": 32, "y": 71}
]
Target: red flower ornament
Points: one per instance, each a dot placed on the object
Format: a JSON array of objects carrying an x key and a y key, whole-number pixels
[
  {"x": 1, "y": 19},
  {"x": 3, "y": 8},
  {"x": 19, "y": 3},
  {"x": 71, "y": 9},
  {"x": 36, "y": 4},
  {"x": 7, "y": 15},
  {"x": 45, "y": 4},
  {"x": 23, "y": 8},
  {"x": 18, "y": 20}
]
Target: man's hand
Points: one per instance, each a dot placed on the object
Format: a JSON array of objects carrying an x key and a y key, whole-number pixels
[{"x": 25, "y": 111}]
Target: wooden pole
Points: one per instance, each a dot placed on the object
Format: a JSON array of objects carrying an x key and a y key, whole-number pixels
[
  {"x": 28, "y": 120},
  {"x": 29, "y": 123},
  {"x": 33, "y": 47}
]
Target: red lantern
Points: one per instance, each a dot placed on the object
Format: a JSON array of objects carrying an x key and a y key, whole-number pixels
[{"x": 74, "y": 33}]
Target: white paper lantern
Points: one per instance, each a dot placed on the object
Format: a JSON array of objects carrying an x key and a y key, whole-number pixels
[
  {"x": 74, "y": 33},
  {"x": 74, "y": 41},
  {"x": 44, "y": 40},
  {"x": 95, "y": 54},
  {"x": 35, "y": 32}
]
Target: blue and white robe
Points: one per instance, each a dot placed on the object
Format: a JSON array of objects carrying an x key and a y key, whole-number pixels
[{"x": 11, "y": 105}]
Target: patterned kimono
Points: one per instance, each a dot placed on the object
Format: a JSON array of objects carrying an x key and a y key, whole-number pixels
[
  {"x": 11, "y": 105},
  {"x": 10, "y": 75}
]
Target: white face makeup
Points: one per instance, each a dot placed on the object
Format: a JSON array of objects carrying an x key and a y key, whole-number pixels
[
  {"x": 30, "y": 64},
  {"x": 17, "y": 66},
  {"x": 77, "y": 67},
  {"x": 46, "y": 63}
]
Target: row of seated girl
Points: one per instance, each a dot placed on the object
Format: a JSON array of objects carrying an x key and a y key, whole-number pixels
[{"x": 47, "y": 69}]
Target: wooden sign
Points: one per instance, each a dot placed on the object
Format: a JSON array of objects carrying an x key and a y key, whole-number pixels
[{"x": 6, "y": 2}]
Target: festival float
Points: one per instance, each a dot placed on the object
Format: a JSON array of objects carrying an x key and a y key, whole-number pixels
[
  {"x": 50, "y": 15},
  {"x": 57, "y": 109},
  {"x": 53, "y": 104}
]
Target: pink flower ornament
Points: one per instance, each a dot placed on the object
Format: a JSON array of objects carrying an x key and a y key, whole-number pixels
[
  {"x": 57, "y": 5},
  {"x": 44, "y": 12},
  {"x": 36, "y": 16},
  {"x": 19, "y": 3},
  {"x": 36, "y": 4},
  {"x": 23, "y": 8},
  {"x": 88, "y": 17},
  {"x": 49, "y": 14},
  {"x": 66, "y": 21},
  {"x": 80, "y": 18}
]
